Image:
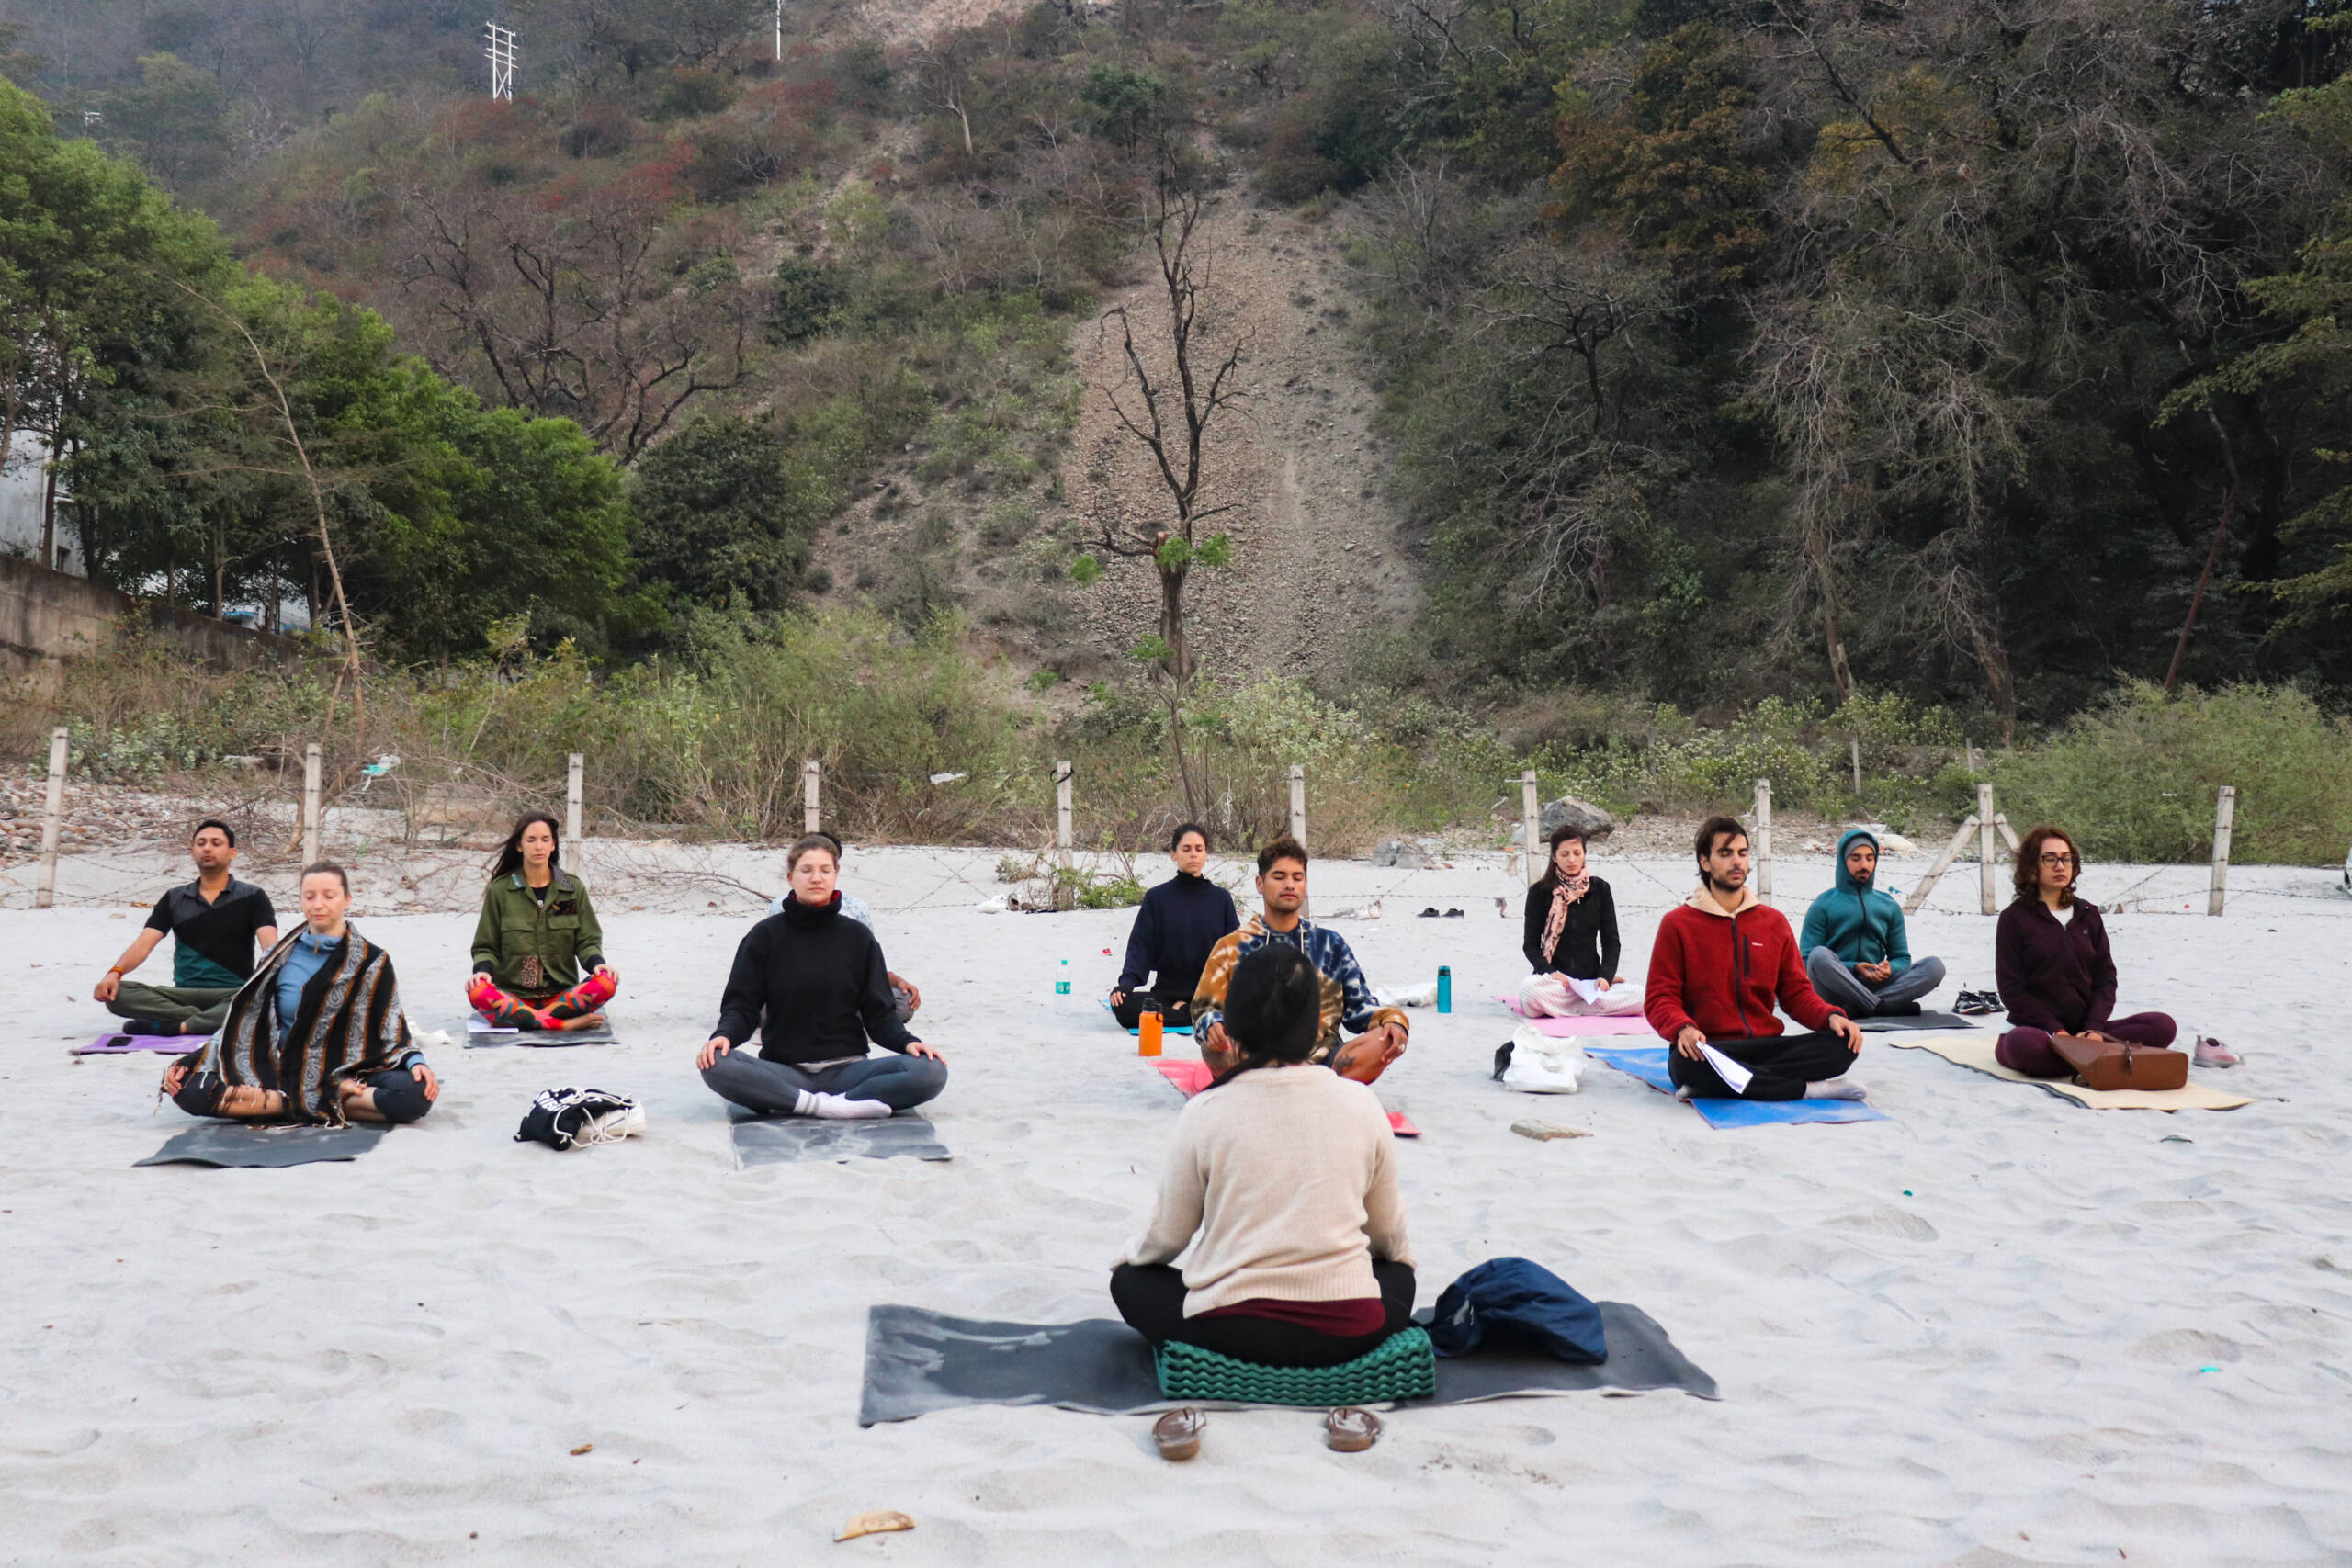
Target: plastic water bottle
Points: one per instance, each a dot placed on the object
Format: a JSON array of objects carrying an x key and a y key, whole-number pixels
[
  {"x": 1147, "y": 1035},
  {"x": 1445, "y": 987},
  {"x": 1061, "y": 986}
]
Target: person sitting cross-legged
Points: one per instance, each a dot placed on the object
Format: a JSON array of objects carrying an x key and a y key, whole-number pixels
[
  {"x": 1348, "y": 1002},
  {"x": 1857, "y": 953},
  {"x": 317, "y": 1035},
  {"x": 1280, "y": 1192},
  {"x": 1570, "y": 940},
  {"x": 1722, "y": 960},
  {"x": 2056, "y": 972},
  {"x": 537, "y": 932},
  {"x": 813, "y": 985},
  {"x": 1180, "y": 921},
  {"x": 216, "y": 923}
]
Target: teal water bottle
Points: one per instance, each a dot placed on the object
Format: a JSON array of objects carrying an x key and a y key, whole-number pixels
[
  {"x": 1445, "y": 987},
  {"x": 1061, "y": 986}
]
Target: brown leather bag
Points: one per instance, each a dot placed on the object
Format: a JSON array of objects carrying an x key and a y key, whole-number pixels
[{"x": 2114, "y": 1063}]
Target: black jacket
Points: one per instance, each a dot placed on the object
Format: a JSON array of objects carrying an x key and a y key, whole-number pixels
[
  {"x": 818, "y": 982},
  {"x": 1588, "y": 947},
  {"x": 1180, "y": 921}
]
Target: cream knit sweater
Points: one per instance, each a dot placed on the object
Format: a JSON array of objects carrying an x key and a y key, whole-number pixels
[{"x": 1284, "y": 1182}]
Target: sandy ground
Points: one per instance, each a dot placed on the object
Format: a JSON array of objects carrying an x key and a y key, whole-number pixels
[{"x": 1996, "y": 1330}]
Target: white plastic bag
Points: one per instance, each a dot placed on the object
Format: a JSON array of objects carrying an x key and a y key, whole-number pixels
[
  {"x": 1543, "y": 1065},
  {"x": 1421, "y": 995}
]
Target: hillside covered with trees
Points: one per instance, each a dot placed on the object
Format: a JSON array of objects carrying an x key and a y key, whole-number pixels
[{"x": 1946, "y": 351}]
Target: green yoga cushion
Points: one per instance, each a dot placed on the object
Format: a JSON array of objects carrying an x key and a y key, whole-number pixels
[{"x": 1403, "y": 1366}]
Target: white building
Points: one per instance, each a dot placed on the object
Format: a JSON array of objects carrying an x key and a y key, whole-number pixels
[{"x": 29, "y": 512}]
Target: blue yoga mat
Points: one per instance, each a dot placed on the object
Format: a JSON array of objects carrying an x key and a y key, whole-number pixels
[
  {"x": 1649, "y": 1064},
  {"x": 1164, "y": 1028}
]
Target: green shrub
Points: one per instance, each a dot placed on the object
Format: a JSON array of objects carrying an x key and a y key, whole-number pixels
[{"x": 2135, "y": 779}]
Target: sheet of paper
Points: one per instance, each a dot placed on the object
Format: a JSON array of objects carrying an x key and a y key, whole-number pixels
[
  {"x": 1586, "y": 990},
  {"x": 1730, "y": 1072}
]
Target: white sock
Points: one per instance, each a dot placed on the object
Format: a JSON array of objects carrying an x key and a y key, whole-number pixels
[
  {"x": 1836, "y": 1089},
  {"x": 839, "y": 1107}
]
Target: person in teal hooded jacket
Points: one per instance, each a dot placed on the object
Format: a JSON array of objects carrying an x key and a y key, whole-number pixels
[{"x": 1857, "y": 954}]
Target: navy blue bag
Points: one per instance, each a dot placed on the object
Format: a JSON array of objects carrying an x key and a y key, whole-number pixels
[{"x": 1511, "y": 1302}]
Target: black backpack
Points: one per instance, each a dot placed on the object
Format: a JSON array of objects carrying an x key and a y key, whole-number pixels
[{"x": 559, "y": 1117}]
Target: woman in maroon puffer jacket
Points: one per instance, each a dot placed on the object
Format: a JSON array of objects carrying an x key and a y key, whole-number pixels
[{"x": 2055, "y": 972}]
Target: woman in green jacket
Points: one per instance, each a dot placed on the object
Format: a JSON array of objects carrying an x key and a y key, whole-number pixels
[{"x": 537, "y": 934}]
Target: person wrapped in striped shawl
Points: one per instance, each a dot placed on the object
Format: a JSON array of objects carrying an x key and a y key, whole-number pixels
[{"x": 317, "y": 1035}]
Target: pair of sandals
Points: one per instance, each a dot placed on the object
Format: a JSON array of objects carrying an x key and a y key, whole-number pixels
[{"x": 1349, "y": 1429}]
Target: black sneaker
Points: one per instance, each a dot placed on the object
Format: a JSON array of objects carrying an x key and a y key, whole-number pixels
[
  {"x": 1975, "y": 1004},
  {"x": 1453, "y": 914},
  {"x": 1427, "y": 914}
]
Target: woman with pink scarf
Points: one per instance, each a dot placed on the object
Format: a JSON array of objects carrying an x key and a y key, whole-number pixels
[{"x": 1571, "y": 942}]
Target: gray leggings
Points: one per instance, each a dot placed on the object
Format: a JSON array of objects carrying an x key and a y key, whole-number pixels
[
  {"x": 1834, "y": 981},
  {"x": 774, "y": 1088}
]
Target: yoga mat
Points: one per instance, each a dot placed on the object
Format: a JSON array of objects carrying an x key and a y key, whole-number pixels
[
  {"x": 1975, "y": 1051},
  {"x": 1939, "y": 1020},
  {"x": 122, "y": 1044},
  {"x": 1165, "y": 1027},
  {"x": 481, "y": 1034},
  {"x": 919, "y": 1362},
  {"x": 1191, "y": 1077},
  {"x": 779, "y": 1139},
  {"x": 235, "y": 1144},
  {"x": 1648, "y": 1064}
]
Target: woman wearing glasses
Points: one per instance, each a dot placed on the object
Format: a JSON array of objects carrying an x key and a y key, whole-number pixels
[{"x": 2056, "y": 974}]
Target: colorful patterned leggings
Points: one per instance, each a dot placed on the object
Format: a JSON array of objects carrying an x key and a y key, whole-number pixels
[{"x": 550, "y": 1012}]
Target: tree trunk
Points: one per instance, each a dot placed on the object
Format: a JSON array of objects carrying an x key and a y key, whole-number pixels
[{"x": 1179, "y": 662}]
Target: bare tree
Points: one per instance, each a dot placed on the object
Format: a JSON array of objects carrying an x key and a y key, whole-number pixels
[{"x": 1170, "y": 416}]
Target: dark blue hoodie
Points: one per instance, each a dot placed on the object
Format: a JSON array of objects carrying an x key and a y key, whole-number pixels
[{"x": 1860, "y": 925}]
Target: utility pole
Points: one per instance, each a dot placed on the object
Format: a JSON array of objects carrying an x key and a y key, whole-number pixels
[{"x": 501, "y": 54}]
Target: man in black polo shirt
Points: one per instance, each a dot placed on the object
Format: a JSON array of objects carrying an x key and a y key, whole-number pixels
[{"x": 215, "y": 922}]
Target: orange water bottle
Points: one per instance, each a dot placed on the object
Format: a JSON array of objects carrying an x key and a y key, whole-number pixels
[{"x": 1148, "y": 1035}]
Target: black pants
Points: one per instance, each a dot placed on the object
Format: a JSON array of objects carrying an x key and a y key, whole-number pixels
[
  {"x": 1152, "y": 1298},
  {"x": 1783, "y": 1065},
  {"x": 399, "y": 1097},
  {"x": 1175, "y": 1012}
]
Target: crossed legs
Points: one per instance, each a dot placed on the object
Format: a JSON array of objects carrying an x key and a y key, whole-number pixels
[{"x": 1834, "y": 981}]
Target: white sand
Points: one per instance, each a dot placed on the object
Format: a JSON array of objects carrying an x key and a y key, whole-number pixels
[{"x": 1996, "y": 1330}]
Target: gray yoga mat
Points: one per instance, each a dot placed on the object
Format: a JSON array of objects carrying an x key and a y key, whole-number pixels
[
  {"x": 919, "y": 1362},
  {"x": 538, "y": 1039},
  {"x": 234, "y": 1143},
  {"x": 1924, "y": 1020},
  {"x": 777, "y": 1140}
]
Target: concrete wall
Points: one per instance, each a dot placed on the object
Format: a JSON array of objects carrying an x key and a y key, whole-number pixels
[{"x": 46, "y": 617}]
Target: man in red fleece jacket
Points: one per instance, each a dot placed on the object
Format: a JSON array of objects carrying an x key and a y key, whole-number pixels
[{"x": 1721, "y": 961}]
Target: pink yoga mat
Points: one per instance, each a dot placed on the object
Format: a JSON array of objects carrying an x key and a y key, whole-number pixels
[
  {"x": 1191, "y": 1077},
  {"x": 1563, "y": 1028}
]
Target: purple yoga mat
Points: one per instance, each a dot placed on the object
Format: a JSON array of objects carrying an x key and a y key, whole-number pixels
[
  {"x": 123, "y": 1044},
  {"x": 1563, "y": 1028}
]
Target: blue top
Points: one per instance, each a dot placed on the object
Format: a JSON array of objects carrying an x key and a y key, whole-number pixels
[
  {"x": 1858, "y": 923},
  {"x": 1180, "y": 921},
  {"x": 309, "y": 953}
]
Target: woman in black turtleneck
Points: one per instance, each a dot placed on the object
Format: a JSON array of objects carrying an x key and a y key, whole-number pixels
[
  {"x": 1180, "y": 919},
  {"x": 814, "y": 986}
]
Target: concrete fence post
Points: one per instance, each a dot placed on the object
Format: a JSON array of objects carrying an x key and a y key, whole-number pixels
[
  {"x": 1987, "y": 870},
  {"x": 1298, "y": 801},
  {"x": 1062, "y": 804},
  {"x": 2225, "y": 812},
  {"x": 810, "y": 817},
  {"x": 1760, "y": 841},
  {"x": 52, "y": 820},
  {"x": 311, "y": 761},
  {"x": 1530, "y": 823},
  {"x": 571, "y": 792}
]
